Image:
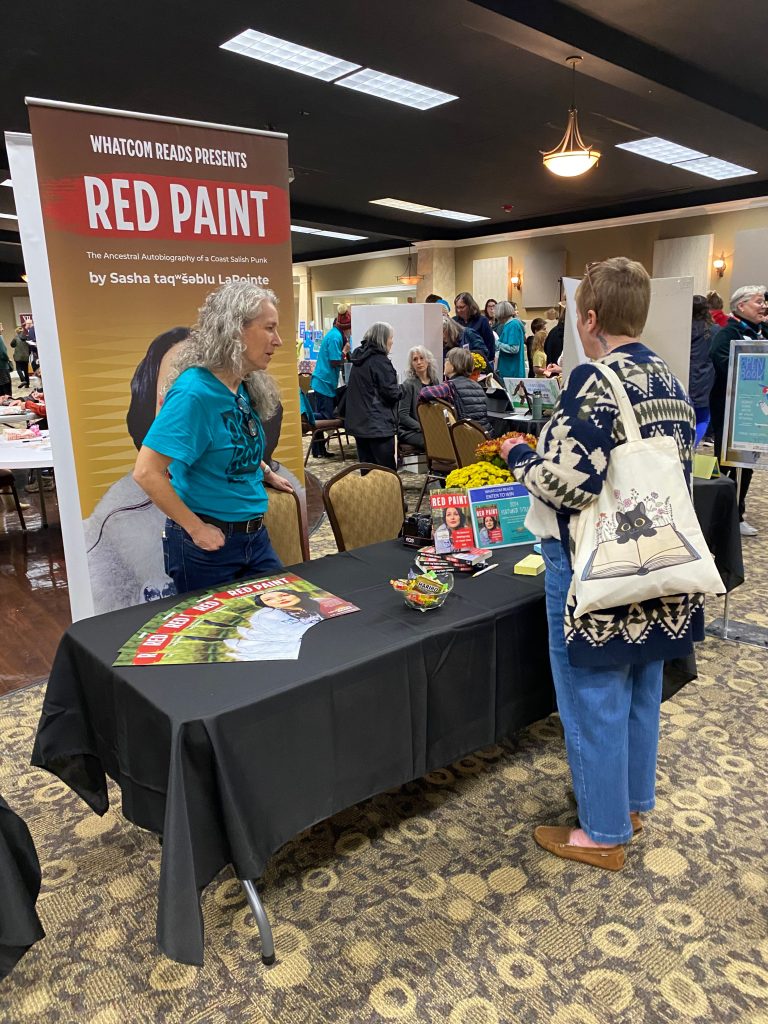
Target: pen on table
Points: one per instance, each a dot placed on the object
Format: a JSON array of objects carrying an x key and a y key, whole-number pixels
[{"x": 486, "y": 569}]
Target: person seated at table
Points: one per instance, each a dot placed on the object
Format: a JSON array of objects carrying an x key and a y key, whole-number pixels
[
  {"x": 422, "y": 371},
  {"x": 465, "y": 395},
  {"x": 202, "y": 460},
  {"x": 325, "y": 379}
]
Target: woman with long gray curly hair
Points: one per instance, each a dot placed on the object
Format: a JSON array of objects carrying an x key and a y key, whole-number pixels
[{"x": 202, "y": 460}]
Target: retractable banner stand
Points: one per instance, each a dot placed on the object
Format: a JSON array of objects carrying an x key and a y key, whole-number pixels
[{"x": 127, "y": 222}]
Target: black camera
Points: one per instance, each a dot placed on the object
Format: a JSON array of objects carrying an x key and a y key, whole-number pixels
[{"x": 416, "y": 531}]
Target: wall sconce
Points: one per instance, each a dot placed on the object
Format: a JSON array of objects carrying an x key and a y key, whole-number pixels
[
  {"x": 516, "y": 281},
  {"x": 719, "y": 265}
]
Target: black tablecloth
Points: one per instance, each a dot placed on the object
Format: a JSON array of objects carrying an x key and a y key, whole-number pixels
[
  {"x": 718, "y": 514},
  {"x": 20, "y": 926},
  {"x": 231, "y": 761}
]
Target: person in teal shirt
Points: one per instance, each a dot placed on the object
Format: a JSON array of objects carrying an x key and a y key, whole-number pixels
[
  {"x": 511, "y": 343},
  {"x": 325, "y": 379},
  {"x": 202, "y": 460}
]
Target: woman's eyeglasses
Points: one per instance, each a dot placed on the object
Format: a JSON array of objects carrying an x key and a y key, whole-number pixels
[{"x": 245, "y": 409}]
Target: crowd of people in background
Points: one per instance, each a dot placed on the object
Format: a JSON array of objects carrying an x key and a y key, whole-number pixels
[{"x": 382, "y": 409}]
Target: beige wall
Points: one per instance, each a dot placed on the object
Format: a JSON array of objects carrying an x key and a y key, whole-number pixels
[
  {"x": 339, "y": 277},
  {"x": 633, "y": 240},
  {"x": 6, "y": 311}
]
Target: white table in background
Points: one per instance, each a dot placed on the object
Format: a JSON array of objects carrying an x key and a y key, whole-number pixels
[{"x": 33, "y": 454}]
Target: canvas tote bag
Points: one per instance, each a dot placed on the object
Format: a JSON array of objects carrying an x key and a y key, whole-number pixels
[{"x": 641, "y": 538}]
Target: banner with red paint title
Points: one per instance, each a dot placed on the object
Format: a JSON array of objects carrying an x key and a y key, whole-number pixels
[{"x": 142, "y": 218}]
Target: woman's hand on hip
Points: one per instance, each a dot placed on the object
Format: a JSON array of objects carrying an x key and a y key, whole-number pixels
[{"x": 208, "y": 537}]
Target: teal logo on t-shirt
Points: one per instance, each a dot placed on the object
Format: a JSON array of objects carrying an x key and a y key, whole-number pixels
[{"x": 246, "y": 449}]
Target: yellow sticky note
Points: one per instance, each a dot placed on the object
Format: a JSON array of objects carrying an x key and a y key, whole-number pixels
[
  {"x": 531, "y": 565},
  {"x": 705, "y": 467}
]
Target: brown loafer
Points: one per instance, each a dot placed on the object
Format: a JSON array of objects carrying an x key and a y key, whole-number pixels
[
  {"x": 637, "y": 822},
  {"x": 554, "y": 839}
]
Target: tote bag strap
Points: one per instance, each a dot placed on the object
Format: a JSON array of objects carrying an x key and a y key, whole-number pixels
[{"x": 626, "y": 412}]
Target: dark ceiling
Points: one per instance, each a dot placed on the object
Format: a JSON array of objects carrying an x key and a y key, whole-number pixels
[{"x": 682, "y": 71}]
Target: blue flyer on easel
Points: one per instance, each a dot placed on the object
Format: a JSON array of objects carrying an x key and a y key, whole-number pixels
[{"x": 498, "y": 515}]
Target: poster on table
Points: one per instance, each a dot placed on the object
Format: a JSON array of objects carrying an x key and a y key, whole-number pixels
[
  {"x": 259, "y": 620},
  {"x": 451, "y": 521},
  {"x": 498, "y": 515},
  {"x": 127, "y": 222},
  {"x": 745, "y": 424}
]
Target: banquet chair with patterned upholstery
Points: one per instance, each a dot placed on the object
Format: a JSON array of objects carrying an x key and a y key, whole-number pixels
[
  {"x": 435, "y": 418},
  {"x": 466, "y": 435},
  {"x": 365, "y": 505},
  {"x": 284, "y": 519}
]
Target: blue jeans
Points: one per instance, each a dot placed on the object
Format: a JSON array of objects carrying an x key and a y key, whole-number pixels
[
  {"x": 611, "y": 721},
  {"x": 243, "y": 555},
  {"x": 324, "y": 406}
]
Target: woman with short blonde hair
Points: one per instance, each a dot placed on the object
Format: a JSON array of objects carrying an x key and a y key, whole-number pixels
[{"x": 607, "y": 666}]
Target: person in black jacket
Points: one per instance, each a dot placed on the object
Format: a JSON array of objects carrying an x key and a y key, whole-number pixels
[
  {"x": 372, "y": 396},
  {"x": 553, "y": 347}
]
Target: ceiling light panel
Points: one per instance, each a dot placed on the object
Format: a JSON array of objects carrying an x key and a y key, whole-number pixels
[
  {"x": 402, "y": 204},
  {"x": 327, "y": 234},
  {"x": 663, "y": 150},
  {"x": 712, "y": 167},
  {"x": 283, "y": 54},
  {"x": 397, "y": 90},
  {"x": 455, "y": 215},
  {"x": 7, "y": 182},
  {"x": 430, "y": 211}
]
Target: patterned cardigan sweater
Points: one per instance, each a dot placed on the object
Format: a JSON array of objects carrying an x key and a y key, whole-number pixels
[{"x": 585, "y": 427}]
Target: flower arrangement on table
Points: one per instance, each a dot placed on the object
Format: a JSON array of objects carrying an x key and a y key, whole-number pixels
[
  {"x": 491, "y": 469},
  {"x": 479, "y": 366}
]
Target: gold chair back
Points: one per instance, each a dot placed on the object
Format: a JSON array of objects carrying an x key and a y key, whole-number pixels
[
  {"x": 434, "y": 418},
  {"x": 364, "y": 509},
  {"x": 287, "y": 532},
  {"x": 466, "y": 435}
]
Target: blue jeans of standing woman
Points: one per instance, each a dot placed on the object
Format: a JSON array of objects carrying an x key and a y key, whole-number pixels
[
  {"x": 242, "y": 556},
  {"x": 611, "y": 721}
]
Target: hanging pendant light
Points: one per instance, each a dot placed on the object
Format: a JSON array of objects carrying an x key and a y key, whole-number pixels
[
  {"x": 572, "y": 157},
  {"x": 410, "y": 275}
]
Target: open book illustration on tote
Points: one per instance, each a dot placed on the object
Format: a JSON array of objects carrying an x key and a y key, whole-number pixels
[{"x": 638, "y": 539}]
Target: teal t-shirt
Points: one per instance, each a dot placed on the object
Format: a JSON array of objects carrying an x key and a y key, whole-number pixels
[
  {"x": 216, "y": 460},
  {"x": 325, "y": 379}
]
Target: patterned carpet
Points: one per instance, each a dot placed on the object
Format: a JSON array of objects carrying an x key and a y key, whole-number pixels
[{"x": 431, "y": 903}]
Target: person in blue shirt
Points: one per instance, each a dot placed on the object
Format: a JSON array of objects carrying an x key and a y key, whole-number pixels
[
  {"x": 511, "y": 343},
  {"x": 325, "y": 379},
  {"x": 202, "y": 460}
]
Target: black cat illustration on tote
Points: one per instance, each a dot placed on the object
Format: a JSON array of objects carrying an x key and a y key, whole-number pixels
[{"x": 638, "y": 547}]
